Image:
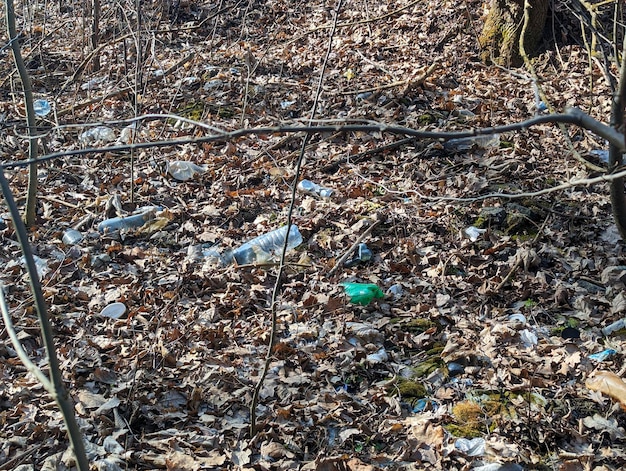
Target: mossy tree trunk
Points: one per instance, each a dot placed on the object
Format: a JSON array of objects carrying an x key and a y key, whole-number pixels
[{"x": 503, "y": 28}]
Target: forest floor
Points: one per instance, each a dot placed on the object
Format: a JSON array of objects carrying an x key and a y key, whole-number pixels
[{"x": 480, "y": 353}]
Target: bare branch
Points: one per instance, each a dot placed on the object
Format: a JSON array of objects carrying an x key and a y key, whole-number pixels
[{"x": 571, "y": 116}]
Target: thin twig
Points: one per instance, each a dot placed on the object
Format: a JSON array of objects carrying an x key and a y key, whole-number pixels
[
  {"x": 21, "y": 353},
  {"x": 353, "y": 247}
]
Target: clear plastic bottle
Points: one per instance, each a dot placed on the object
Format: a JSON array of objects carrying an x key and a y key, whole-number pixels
[
  {"x": 467, "y": 143},
  {"x": 264, "y": 248},
  {"x": 307, "y": 186},
  {"x": 128, "y": 222},
  {"x": 72, "y": 237}
]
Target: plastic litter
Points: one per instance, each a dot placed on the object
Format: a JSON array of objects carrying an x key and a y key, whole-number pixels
[
  {"x": 114, "y": 310},
  {"x": 362, "y": 254},
  {"x": 128, "y": 134},
  {"x": 615, "y": 326},
  {"x": 455, "y": 368},
  {"x": 499, "y": 467},
  {"x": 601, "y": 154},
  {"x": 42, "y": 107},
  {"x": 570, "y": 333},
  {"x": 468, "y": 143},
  {"x": 183, "y": 170},
  {"x": 473, "y": 233},
  {"x": 308, "y": 187},
  {"x": 100, "y": 134},
  {"x": 264, "y": 248},
  {"x": 396, "y": 291},
  {"x": 603, "y": 355},
  {"x": 610, "y": 384},
  {"x": 71, "y": 237},
  {"x": 362, "y": 293},
  {"x": 528, "y": 337},
  {"x": 133, "y": 221},
  {"x": 473, "y": 447},
  {"x": 380, "y": 356}
]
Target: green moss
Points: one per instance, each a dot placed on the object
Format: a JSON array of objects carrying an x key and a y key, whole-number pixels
[
  {"x": 417, "y": 325},
  {"x": 426, "y": 118},
  {"x": 426, "y": 367},
  {"x": 463, "y": 431},
  {"x": 411, "y": 389}
]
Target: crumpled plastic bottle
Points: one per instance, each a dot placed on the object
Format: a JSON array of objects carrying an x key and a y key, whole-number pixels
[
  {"x": 311, "y": 188},
  {"x": 133, "y": 221},
  {"x": 467, "y": 143},
  {"x": 265, "y": 247}
]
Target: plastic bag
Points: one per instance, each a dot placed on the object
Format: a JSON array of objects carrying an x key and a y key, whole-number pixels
[{"x": 362, "y": 293}]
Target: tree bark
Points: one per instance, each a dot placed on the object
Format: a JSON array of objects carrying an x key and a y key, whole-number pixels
[{"x": 501, "y": 33}]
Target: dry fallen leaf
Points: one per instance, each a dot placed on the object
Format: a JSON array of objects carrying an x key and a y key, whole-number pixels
[{"x": 610, "y": 384}]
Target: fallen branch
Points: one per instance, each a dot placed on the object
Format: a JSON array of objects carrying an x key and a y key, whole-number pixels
[{"x": 571, "y": 116}]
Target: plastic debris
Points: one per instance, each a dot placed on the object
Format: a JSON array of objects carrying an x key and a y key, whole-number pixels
[
  {"x": 95, "y": 135},
  {"x": 455, "y": 368},
  {"x": 601, "y": 154},
  {"x": 603, "y": 355},
  {"x": 529, "y": 338},
  {"x": 380, "y": 356},
  {"x": 362, "y": 293},
  {"x": 468, "y": 143},
  {"x": 266, "y": 247},
  {"x": 473, "y": 233},
  {"x": 308, "y": 187},
  {"x": 610, "y": 384},
  {"x": 42, "y": 107},
  {"x": 517, "y": 319},
  {"x": 473, "y": 447},
  {"x": 71, "y": 237},
  {"x": 114, "y": 310},
  {"x": 499, "y": 467},
  {"x": 183, "y": 170},
  {"x": 128, "y": 134},
  {"x": 362, "y": 254},
  {"x": 133, "y": 221},
  {"x": 614, "y": 327},
  {"x": 396, "y": 291}
]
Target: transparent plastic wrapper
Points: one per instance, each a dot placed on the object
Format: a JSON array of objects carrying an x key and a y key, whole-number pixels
[
  {"x": 467, "y": 143},
  {"x": 133, "y": 221},
  {"x": 308, "y": 187},
  {"x": 101, "y": 134},
  {"x": 183, "y": 170},
  {"x": 265, "y": 247}
]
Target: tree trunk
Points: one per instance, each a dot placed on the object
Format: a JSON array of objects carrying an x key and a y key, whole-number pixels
[{"x": 501, "y": 34}]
